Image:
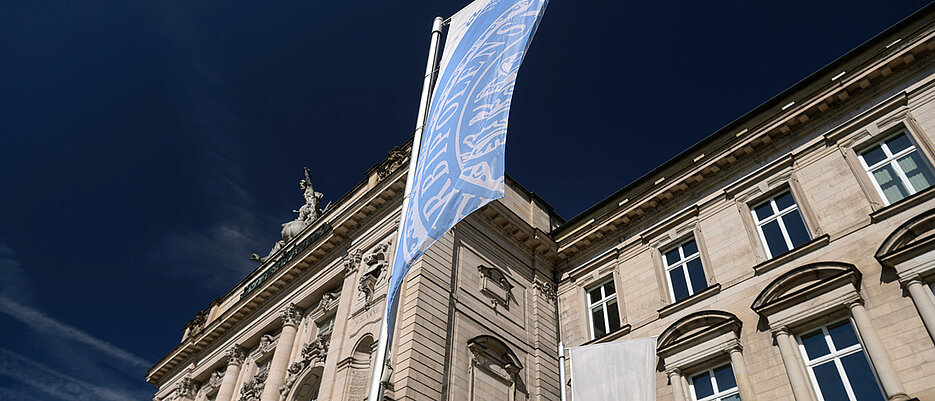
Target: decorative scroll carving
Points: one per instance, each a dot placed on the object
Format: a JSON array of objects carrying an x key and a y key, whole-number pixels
[
  {"x": 291, "y": 316},
  {"x": 393, "y": 161},
  {"x": 375, "y": 264},
  {"x": 187, "y": 388},
  {"x": 235, "y": 355},
  {"x": 308, "y": 213},
  {"x": 313, "y": 354},
  {"x": 495, "y": 286},
  {"x": 545, "y": 289},
  {"x": 252, "y": 389},
  {"x": 267, "y": 343},
  {"x": 352, "y": 262},
  {"x": 213, "y": 382}
]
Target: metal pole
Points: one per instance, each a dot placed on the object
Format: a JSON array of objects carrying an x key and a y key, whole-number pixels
[
  {"x": 561, "y": 368},
  {"x": 380, "y": 361}
]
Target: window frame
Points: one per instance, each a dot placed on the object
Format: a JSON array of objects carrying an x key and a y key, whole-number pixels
[
  {"x": 718, "y": 394},
  {"x": 891, "y": 160},
  {"x": 835, "y": 355},
  {"x": 602, "y": 303},
  {"x": 778, "y": 216},
  {"x": 682, "y": 263}
]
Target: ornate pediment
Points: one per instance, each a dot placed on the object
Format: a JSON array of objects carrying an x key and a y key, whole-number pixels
[
  {"x": 805, "y": 282},
  {"x": 495, "y": 286},
  {"x": 696, "y": 328},
  {"x": 914, "y": 237}
]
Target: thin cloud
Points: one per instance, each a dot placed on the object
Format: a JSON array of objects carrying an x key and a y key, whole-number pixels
[
  {"x": 40, "y": 322},
  {"x": 52, "y": 383}
]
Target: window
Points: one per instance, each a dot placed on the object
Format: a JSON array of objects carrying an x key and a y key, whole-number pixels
[
  {"x": 684, "y": 271},
  {"x": 896, "y": 167},
  {"x": 602, "y": 303},
  {"x": 780, "y": 224},
  {"x": 837, "y": 364},
  {"x": 716, "y": 384}
]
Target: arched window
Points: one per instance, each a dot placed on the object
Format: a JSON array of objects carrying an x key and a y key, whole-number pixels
[
  {"x": 703, "y": 357},
  {"x": 495, "y": 371}
]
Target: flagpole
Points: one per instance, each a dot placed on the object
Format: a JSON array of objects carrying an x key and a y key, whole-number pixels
[
  {"x": 381, "y": 357},
  {"x": 561, "y": 368}
]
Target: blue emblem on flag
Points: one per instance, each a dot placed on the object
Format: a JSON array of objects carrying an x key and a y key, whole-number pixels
[{"x": 461, "y": 163}]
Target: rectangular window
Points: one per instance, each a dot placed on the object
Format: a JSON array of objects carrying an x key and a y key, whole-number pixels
[
  {"x": 716, "y": 384},
  {"x": 604, "y": 313},
  {"x": 684, "y": 271},
  {"x": 780, "y": 224},
  {"x": 838, "y": 367},
  {"x": 897, "y": 168}
]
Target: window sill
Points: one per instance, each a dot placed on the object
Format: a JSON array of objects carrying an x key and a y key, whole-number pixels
[
  {"x": 906, "y": 203},
  {"x": 807, "y": 247},
  {"x": 695, "y": 298},
  {"x": 622, "y": 331}
]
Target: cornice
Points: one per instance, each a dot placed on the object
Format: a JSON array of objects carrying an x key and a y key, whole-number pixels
[{"x": 648, "y": 195}]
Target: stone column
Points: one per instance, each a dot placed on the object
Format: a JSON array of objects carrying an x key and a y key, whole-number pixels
[
  {"x": 877, "y": 353},
  {"x": 280, "y": 363},
  {"x": 235, "y": 357},
  {"x": 686, "y": 388},
  {"x": 675, "y": 378},
  {"x": 923, "y": 302},
  {"x": 797, "y": 378},
  {"x": 740, "y": 372}
]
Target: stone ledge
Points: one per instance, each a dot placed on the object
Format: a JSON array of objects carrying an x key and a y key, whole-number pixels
[
  {"x": 904, "y": 204},
  {"x": 807, "y": 247},
  {"x": 622, "y": 331},
  {"x": 695, "y": 298}
]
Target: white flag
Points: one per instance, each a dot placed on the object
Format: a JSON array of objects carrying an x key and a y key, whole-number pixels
[{"x": 616, "y": 371}]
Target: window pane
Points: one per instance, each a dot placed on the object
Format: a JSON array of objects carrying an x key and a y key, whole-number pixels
[
  {"x": 785, "y": 200},
  {"x": 889, "y": 182},
  {"x": 690, "y": 248},
  {"x": 597, "y": 316},
  {"x": 595, "y": 295},
  {"x": 672, "y": 257},
  {"x": 763, "y": 211},
  {"x": 702, "y": 386},
  {"x": 898, "y": 143},
  {"x": 861, "y": 377},
  {"x": 613, "y": 315},
  {"x": 795, "y": 227},
  {"x": 919, "y": 174},
  {"x": 815, "y": 345},
  {"x": 609, "y": 288},
  {"x": 679, "y": 288},
  {"x": 774, "y": 239},
  {"x": 829, "y": 382},
  {"x": 735, "y": 397},
  {"x": 873, "y": 156},
  {"x": 842, "y": 335},
  {"x": 696, "y": 274},
  {"x": 724, "y": 376}
]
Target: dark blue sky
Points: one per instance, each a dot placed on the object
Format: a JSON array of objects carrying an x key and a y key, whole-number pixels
[{"x": 148, "y": 147}]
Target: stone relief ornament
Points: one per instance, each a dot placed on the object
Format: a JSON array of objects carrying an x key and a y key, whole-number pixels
[
  {"x": 290, "y": 315},
  {"x": 495, "y": 286},
  {"x": 308, "y": 213},
  {"x": 187, "y": 388},
  {"x": 313, "y": 354},
  {"x": 236, "y": 355},
  {"x": 352, "y": 262},
  {"x": 252, "y": 389},
  {"x": 267, "y": 343},
  {"x": 213, "y": 382},
  {"x": 196, "y": 325},
  {"x": 546, "y": 289},
  {"x": 374, "y": 270},
  {"x": 393, "y": 161}
]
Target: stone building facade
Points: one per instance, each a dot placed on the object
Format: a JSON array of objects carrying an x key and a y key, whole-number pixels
[{"x": 789, "y": 256}]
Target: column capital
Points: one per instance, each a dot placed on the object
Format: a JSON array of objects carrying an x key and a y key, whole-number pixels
[
  {"x": 779, "y": 331},
  {"x": 235, "y": 355},
  {"x": 909, "y": 279},
  {"x": 290, "y": 315},
  {"x": 733, "y": 346},
  {"x": 187, "y": 388},
  {"x": 851, "y": 304},
  {"x": 673, "y": 372}
]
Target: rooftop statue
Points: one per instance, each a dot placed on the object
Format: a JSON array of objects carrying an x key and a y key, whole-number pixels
[{"x": 308, "y": 213}]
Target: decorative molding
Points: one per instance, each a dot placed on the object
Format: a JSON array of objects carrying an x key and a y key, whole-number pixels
[
  {"x": 213, "y": 382},
  {"x": 267, "y": 344},
  {"x": 545, "y": 289},
  {"x": 495, "y": 286},
  {"x": 187, "y": 388},
  {"x": 290, "y": 315},
  {"x": 252, "y": 389},
  {"x": 351, "y": 263}
]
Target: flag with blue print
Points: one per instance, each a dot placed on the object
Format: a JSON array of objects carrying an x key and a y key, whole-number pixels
[{"x": 460, "y": 166}]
